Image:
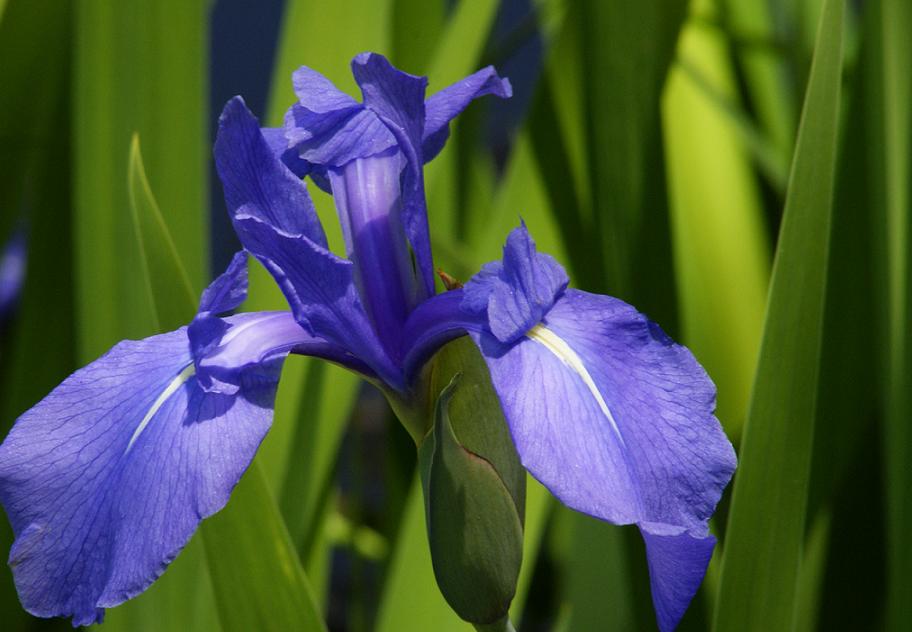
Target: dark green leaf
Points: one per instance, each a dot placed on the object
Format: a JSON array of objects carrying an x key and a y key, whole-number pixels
[
  {"x": 169, "y": 287},
  {"x": 766, "y": 530},
  {"x": 891, "y": 173}
]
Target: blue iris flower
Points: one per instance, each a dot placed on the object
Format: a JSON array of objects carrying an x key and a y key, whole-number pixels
[{"x": 106, "y": 479}]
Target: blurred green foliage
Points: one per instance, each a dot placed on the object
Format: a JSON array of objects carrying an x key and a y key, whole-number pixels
[{"x": 667, "y": 152}]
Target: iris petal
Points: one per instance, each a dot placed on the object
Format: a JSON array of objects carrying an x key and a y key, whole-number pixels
[
  {"x": 444, "y": 106},
  {"x": 229, "y": 289},
  {"x": 617, "y": 421},
  {"x": 337, "y": 138},
  {"x": 278, "y": 144},
  {"x": 677, "y": 564},
  {"x": 320, "y": 289},
  {"x": 517, "y": 292},
  {"x": 106, "y": 479},
  {"x": 12, "y": 271},
  {"x": 318, "y": 94},
  {"x": 256, "y": 182}
]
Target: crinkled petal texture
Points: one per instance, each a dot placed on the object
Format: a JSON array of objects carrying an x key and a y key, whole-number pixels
[
  {"x": 106, "y": 479},
  {"x": 607, "y": 411},
  {"x": 276, "y": 222},
  {"x": 518, "y": 292},
  {"x": 617, "y": 421},
  {"x": 328, "y": 130},
  {"x": 444, "y": 106}
]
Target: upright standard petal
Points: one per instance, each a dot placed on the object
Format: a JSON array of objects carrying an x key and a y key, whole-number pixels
[
  {"x": 256, "y": 182},
  {"x": 106, "y": 479},
  {"x": 321, "y": 292},
  {"x": 330, "y": 131},
  {"x": 275, "y": 221},
  {"x": 518, "y": 292},
  {"x": 444, "y": 106},
  {"x": 367, "y": 196},
  {"x": 397, "y": 98},
  {"x": 278, "y": 144}
]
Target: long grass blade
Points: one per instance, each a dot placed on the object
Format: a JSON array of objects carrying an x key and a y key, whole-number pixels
[
  {"x": 766, "y": 529},
  {"x": 891, "y": 106}
]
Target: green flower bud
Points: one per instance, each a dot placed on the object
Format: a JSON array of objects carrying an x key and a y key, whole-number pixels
[{"x": 474, "y": 489}]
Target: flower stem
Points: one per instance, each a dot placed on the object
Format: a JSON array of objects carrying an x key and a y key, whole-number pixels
[{"x": 503, "y": 625}]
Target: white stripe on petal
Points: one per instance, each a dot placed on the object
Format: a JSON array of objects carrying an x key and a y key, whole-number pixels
[
  {"x": 175, "y": 384},
  {"x": 556, "y": 345}
]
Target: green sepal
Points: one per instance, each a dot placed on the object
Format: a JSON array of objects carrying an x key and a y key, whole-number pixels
[{"x": 474, "y": 489}]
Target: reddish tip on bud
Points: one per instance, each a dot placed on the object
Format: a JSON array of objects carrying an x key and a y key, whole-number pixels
[{"x": 449, "y": 282}]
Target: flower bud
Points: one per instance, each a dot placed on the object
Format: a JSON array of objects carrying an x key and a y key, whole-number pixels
[{"x": 474, "y": 489}]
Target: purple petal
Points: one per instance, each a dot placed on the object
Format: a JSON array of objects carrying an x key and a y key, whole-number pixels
[
  {"x": 398, "y": 99},
  {"x": 256, "y": 182},
  {"x": 336, "y": 138},
  {"x": 396, "y": 96},
  {"x": 278, "y": 144},
  {"x": 229, "y": 290},
  {"x": 435, "y": 322},
  {"x": 318, "y": 94},
  {"x": 677, "y": 564},
  {"x": 616, "y": 420},
  {"x": 518, "y": 293},
  {"x": 328, "y": 128},
  {"x": 106, "y": 479},
  {"x": 320, "y": 290},
  {"x": 446, "y": 105},
  {"x": 242, "y": 342},
  {"x": 367, "y": 193}
]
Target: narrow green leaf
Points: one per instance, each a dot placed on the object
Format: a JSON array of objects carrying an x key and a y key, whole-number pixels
[
  {"x": 767, "y": 78},
  {"x": 766, "y": 530},
  {"x": 139, "y": 66},
  {"x": 457, "y": 54},
  {"x": 890, "y": 109},
  {"x": 811, "y": 573},
  {"x": 256, "y": 575},
  {"x": 720, "y": 245},
  {"x": 416, "y": 27},
  {"x": 627, "y": 47},
  {"x": 259, "y": 584},
  {"x": 161, "y": 265}
]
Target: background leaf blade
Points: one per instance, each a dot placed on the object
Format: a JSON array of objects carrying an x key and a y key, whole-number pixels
[{"x": 766, "y": 526}]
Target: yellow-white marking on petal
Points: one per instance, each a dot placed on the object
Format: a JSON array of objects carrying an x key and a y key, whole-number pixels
[
  {"x": 559, "y": 347},
  {"x": 175, "y": 384}
]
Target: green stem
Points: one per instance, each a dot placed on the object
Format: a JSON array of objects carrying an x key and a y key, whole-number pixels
[{"x": 503, "y": 625}]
